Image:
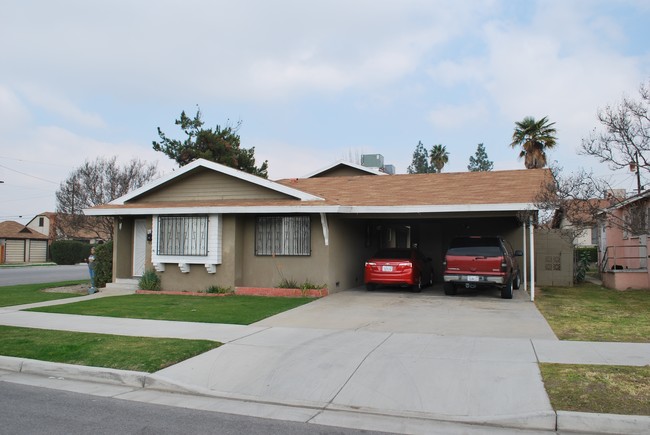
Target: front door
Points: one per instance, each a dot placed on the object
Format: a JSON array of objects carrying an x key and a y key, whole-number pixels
[{"x": 139, "y": 246}]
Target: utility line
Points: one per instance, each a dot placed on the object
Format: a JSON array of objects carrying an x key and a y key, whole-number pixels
[
  {"x": 28, "y": 175},
  {"x": 34, "y": 161}
]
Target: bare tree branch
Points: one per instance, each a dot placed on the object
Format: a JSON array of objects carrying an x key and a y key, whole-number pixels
[
  {"x": 626, "y": 134},
  {"x": 95, "y": 183}
]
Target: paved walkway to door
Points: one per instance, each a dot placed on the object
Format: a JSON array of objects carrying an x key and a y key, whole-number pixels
[{"x": 470, "y": 313}]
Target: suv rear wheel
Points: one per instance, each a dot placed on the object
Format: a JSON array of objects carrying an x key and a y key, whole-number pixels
[
  {"x": 506, "y": 291},
  {"x": 517, "y": 282}
]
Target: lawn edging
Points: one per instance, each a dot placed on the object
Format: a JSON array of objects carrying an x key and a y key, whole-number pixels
[
  {"x": 281, "y": 292},
  {"x": 178, "y": 293},
  {"x": 249, "y": 291}
]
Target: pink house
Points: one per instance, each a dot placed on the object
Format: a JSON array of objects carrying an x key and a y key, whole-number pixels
[{"x": 624, "y": 244}]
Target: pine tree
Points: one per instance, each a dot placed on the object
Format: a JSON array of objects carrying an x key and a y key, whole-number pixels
[
  {"x": 480, "y": 161},
  {"x": 420, "y": 163}
]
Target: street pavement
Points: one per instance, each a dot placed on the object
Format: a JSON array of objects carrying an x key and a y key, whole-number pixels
[
  {"x": 13, "y": 275},
  {"x": 354, "y": 374}
]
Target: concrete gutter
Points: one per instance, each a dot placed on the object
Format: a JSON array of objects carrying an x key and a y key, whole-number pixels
[{"x": 326, "y": 414}]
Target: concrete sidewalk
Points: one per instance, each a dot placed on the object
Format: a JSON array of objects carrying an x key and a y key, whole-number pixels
[{"x": 354, "y": 378}]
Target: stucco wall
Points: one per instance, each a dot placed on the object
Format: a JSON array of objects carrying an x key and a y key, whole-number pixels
[
  {"x": 45, "y": 229},
  {"x": 198, "y": 278},
  {"x": 268, "y": 271},
  {"x": 348, "y": 252},
  {"x": 626, "y": 279}
]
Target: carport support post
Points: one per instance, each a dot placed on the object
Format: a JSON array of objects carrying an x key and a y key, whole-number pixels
[
  {"x": 523, "y": 224},
  {"x": 532, "y": 258},
  {"x": 326, "y": 229}
]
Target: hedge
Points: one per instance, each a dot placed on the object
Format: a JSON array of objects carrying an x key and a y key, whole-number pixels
[
  {"x": 103, "y": 264},
  {"x": 69, "y": 251}
]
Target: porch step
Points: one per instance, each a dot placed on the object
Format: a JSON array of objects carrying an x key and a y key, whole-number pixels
[{"x": 122, "y": 285}]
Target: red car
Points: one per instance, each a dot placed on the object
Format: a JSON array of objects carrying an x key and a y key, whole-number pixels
[{"x": 398, "y": 266}]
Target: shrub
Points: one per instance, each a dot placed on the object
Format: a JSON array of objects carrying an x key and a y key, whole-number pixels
[
  {"x": 308, "y": 285},
  {"x": 589, "y": 254},
  {"x": 103, "y": 264},
  {"x": 582, "y": 258},
  {"x": 288, "y": 283},
  {"x": 149, "y": 281},
  {"x": 69, "y": 251},
  {"x": 219, "y": 290}
]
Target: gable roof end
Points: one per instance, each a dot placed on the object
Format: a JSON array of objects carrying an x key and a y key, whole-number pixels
[
  {"x": 223, "y": 169},
  {"x": 361, "y": 168}
]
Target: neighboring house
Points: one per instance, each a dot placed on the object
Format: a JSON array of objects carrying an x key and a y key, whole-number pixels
[
  {"x": 624, "y": 244},
  {"x": 577, "y": 217},
  {"x": 48, "y": 223},
  {"x": 210, "y": 225},
  {"x": 19, "y": 244}
]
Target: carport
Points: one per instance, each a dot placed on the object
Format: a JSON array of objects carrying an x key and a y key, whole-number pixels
[{"x": 432, "y": 233}]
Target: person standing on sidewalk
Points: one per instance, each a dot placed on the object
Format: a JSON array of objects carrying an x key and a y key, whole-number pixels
[{"x": 91, "y": 270}]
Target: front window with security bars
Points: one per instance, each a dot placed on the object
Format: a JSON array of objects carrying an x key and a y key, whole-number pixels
[
  {"x": 286, "y": 235},
  {"x": 183, "y": 235}
]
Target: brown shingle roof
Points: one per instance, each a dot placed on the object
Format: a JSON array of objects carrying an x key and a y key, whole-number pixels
[
  {"x": 496, "y": 187},
  {"x": 461, "y": 188},
  {"x": 14, "y": 230}
]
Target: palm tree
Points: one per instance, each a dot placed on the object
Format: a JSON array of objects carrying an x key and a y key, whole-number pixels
[
  {"x": 439, "y": 157},
  {"x": 534, "y": 138}
]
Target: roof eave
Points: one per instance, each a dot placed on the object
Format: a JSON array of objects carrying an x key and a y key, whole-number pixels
[{"x": 313, "y": 208}]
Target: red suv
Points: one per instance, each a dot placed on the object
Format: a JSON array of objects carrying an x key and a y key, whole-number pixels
[{"x": 481, "y": 261}]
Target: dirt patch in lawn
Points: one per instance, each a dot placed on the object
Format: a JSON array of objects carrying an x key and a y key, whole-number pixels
[{"x": 81, "y": 289}]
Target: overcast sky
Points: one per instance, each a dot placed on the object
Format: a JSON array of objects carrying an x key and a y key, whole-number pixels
[{"x": 312, "y": 81}]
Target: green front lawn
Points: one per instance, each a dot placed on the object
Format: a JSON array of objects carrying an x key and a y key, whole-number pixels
[
  {"x": 99, "y": 350},
  {"x": 589, "y": 312},
  {"x": 31, "y": 293},
  {"x": 600, "y": 389},
  {"x": 240, "y": 310}
]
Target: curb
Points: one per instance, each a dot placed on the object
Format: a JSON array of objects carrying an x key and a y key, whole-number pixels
[
  {"x": 602, "y": 423},
  {"x": 566, "y": 421},
  {"x": 70, "y": 371}
]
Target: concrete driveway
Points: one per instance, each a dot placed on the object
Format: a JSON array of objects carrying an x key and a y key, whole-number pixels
[
  {"x": 477, "y": 313},
  {"x": 468, "y": 358}
]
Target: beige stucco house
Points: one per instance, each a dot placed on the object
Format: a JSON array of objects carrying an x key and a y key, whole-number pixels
[{"x": 207, "y": 224}]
